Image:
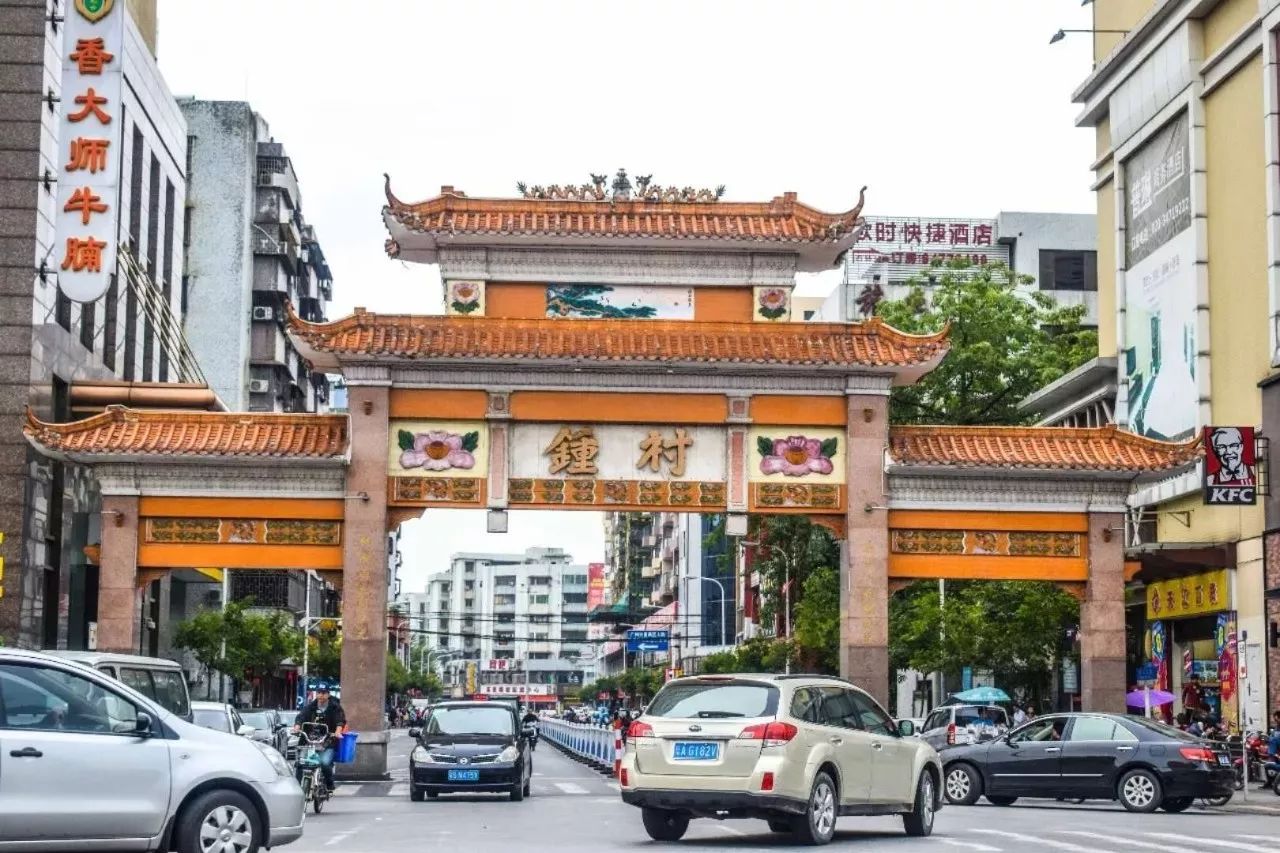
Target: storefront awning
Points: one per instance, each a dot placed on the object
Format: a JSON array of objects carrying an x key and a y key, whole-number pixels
[{"x": 1164, "y": 560}]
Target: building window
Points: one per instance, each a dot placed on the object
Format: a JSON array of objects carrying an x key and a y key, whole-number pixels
[
  {"x": 109, "y": 309},
  {"x": 1068, "y": 270},
  {"x": 88, "y": 318},
  {"x": 135, "y": 190},
  {"x": 62, "y": 310}
]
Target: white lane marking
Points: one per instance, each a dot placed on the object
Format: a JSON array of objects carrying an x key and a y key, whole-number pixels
[
  {"x": 969, "y": 845},
  {"x": 1255, "y": 837},
  {"x": 399, "y": 790},
  {"x": 342, "y": 836},
  {"x": 1213, "y": 842},
  {"x": 1035, "y": 842},
  {"x": 1131, "y": 842},
  {"x": 346, "y": 790},
  {"x": 570, "y": 788}
]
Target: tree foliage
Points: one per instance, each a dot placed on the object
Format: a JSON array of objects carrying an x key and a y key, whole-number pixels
[
  {"x": 1007, "y": 341},
  {"x": 239, "y": 642},
  {"x": 407, "y": 679},
  {"x": 324, "y": 655},
  {"x": 1014, "y": 629},
  {"x": 817, "y": 620}
]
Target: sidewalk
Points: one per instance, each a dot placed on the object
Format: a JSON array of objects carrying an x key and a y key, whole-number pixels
[{"x": 1262, "y": 801}]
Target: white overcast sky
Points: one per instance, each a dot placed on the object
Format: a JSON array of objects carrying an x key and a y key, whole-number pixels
[{"x": 941, "y": 107}]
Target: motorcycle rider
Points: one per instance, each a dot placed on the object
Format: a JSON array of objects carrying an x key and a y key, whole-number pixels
[
  {"x": 328, "y": 711},
  {"x": 530, "y": 719}
]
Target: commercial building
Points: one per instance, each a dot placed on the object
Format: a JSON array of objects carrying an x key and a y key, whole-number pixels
[
  {"x": 55, "y": 353},
  {"x": 514, "y": 624},
  {"x": 1057, "y": 250},
  {"x": 256, "y": 253},
  {"x": 1182, "y": 98}
]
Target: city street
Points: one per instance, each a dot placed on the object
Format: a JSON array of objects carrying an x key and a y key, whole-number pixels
[{"x": 573, "y": 808}]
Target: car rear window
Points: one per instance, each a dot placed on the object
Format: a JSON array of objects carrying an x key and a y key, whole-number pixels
[
  {"x": 970, "y": 714},
  {"x": 706, "y": 699},
  {"x": 1161, "y": 729}
]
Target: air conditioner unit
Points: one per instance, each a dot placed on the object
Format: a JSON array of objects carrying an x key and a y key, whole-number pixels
[
  {"x": 263, "y": 312},
  {"x": 259, "y": 386}
]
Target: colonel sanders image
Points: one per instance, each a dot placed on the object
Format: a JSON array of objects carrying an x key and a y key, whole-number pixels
[{"x": 1228, "y": 447}]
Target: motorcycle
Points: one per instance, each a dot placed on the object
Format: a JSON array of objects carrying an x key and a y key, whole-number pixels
[
  {"x": 531, "y": 732},
  {"x": 315, "y": 738}
]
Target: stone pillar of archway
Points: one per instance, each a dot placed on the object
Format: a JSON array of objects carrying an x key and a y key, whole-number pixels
[
  {"x": 864, "y": 591},
  {"x": 364, "y": 583},
  {"x": 1102, "y": 660},
  {"x": 118, "y": 593}
]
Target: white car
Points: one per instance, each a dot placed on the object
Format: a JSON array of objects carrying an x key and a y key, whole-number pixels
[
  {"x": 796, "y": 750},
  {"x": 91, "y": 764}
]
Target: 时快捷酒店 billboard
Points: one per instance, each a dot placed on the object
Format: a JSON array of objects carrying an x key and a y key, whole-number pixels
[{"x": 1160, "y": 289}]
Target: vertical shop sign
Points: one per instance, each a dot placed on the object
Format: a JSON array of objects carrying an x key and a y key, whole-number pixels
[{"x": 89, "y": 156}]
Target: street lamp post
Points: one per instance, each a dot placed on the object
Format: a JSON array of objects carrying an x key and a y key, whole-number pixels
[{"x": 724, "y": 625}]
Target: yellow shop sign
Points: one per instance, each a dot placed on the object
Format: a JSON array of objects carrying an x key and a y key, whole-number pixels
[{"x": 1195, "y": 595}]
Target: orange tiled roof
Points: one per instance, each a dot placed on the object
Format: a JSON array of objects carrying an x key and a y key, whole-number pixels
[
  {"x": 866, "y": 344},
  {"x": 1098, "y": 449},
  {"x": 782, "y": 220},
  {"x": 128, "y": 432}
]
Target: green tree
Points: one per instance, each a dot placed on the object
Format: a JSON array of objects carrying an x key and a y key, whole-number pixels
[
  {"x": 817, "y": 621},
  {"x": 1014, "y": 629},
  {"x": 1007, "y": 341},
  {"x": 789, "y": 549},
  {"x": 240, "y": 643},
  {"x": 720, "y": 662},
  {"x": 324, "y": 658}
]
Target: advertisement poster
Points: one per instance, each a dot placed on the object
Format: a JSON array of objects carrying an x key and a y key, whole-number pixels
[
  {"x": 1229, "y": 473},
  {"x": 1225, "y": 644},
  {"x": 1160, "y": 288},
  {"x": 1157, "y": 650},
  {"x": 595, "y": 585}
]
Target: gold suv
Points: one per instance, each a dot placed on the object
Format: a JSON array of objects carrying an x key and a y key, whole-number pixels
[{"x": 795, "y": 750}]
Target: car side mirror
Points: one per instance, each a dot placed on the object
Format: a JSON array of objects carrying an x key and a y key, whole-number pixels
[
  {"x": 142, "y": 726},
  {"x": 906, "y": 728},
  {"x": 415, "y": 733},
  {"x": 246, "y": 731}
]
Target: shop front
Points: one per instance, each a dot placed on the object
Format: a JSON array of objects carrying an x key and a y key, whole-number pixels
[{"x": 1189, "y": 637}]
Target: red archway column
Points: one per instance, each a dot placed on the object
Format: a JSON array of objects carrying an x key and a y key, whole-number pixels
[
  {"x": 364, "y": 582},
  {"x": 118, "y": 593},
  {"x": 1102, "y": 661},
  {"x": 864, "y": 592}
]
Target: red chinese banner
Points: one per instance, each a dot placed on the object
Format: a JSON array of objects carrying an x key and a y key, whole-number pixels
[{"x": 595, "y": 585}]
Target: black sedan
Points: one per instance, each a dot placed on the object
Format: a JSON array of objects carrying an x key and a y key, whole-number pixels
[
  {"x": 470, "y": 747},
  {"x": 1144, "y": 764}
]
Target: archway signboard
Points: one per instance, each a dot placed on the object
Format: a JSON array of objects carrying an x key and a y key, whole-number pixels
[{"x": 632, "y": 349}]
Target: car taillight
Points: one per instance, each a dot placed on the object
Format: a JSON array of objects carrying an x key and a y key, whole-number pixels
[
  {"x": 766, "y": 782},
  {"x": 951, "y": 734},
  {"x": 622, "y": 777},
  {"x": 639, "y": 729},
  {"x": 770, "y": 734},
  {"x": 1197, "y": 753}
]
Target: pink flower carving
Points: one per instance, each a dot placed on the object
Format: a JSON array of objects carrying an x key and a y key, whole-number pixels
[
  {"x": 437, "y": 451},
  {"x": 796, "y": 456}
]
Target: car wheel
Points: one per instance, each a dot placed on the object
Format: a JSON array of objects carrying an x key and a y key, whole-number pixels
[
  {"x": 663, "y": 824},
  {"x": 217, "y": 821},
  {"x": 416, "y": 795},
  {"x": 1217, "y": 802},
  {"x": 780, "y": 825},
  {"x": 818, "y": 823},
  {"x": 527, "y": 784},
  {"x": 517, "y": 792},
  {"x": 1001, "y": 801},
  {"x": 1139, "y": 791},
  {"x": 962, "y": 785},
  {"x": 919, "y": 821},
  {"x": 1177, "y": 804}
]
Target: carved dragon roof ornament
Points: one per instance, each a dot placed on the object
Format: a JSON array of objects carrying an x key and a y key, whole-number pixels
[{"x": 621, "y": 189}]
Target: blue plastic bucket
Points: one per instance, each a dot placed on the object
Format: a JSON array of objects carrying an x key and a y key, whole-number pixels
[{"x": 347, "y": 748}]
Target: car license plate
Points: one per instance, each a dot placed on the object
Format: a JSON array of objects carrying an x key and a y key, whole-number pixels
[
  {"x": 696, "y": 751},
  {"x": 464, "y": 775},
  {"x": 1224, "y": 759}
]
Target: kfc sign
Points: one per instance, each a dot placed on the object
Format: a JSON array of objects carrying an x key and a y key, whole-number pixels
[{"x": 1230, "y": 466}]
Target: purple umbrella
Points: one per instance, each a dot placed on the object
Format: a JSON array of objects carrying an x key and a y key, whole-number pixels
[{"x": 1137, "y": 698}]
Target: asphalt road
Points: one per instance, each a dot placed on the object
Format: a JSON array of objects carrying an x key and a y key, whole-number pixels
[{"x": 575, "y": 809}]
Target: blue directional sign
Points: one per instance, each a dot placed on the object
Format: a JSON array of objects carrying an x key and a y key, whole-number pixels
[
  {"x": 648, "y": 641},
  {"x": 1147, "y": 672}
]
